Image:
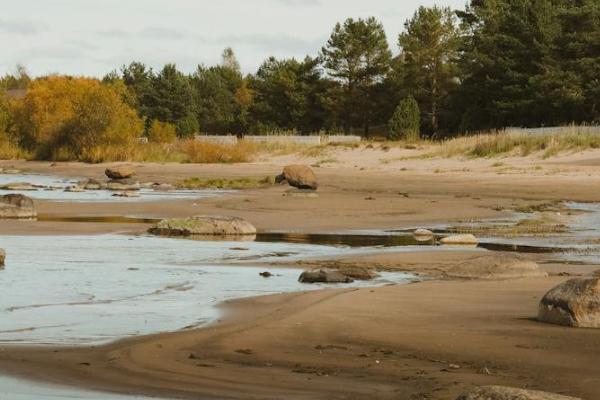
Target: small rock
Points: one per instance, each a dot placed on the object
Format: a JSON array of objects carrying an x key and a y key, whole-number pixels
[
  {"x": 423, "y": 233},
  {"x": 266, "y": 274},
  {"x": 2, "y": 257},
  {"x": 126, "y": 193},
  {"x": 74, "y": 189},
  {"x": 324, "y": 275},
  {"x": 467, "y": 239}
]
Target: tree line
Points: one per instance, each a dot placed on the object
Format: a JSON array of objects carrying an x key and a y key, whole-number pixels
[{"x": 497, "y": 63}]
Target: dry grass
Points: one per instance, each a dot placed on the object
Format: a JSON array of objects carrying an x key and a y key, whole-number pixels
[{"x": 517, "y": 143}]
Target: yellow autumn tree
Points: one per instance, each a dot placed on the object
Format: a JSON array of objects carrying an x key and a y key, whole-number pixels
[{"x": 64, "y": 117}]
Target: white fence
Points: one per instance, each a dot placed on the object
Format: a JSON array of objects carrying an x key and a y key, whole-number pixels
[
  {"x": 556, "y": 129},
  {"x": 297, "y": 139}
]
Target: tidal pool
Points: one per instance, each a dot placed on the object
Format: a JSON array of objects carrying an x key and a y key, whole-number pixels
[
  {"x": 57, "y": 193},
  {"x": 95, "y": 289}
]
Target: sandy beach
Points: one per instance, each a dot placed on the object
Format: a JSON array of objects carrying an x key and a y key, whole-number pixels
[{"x": 428, "y": 340}]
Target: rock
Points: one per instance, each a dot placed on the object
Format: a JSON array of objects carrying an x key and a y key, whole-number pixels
[
  {"x": 21, "y": 186},
  {"x": 17, "y": 206},
  {"x": 300, "y": 176},
  {"x": 92, "y": 184},
  {"x": 324, "y": 275},
  {"x": 121, "y": 172},
  {"x": 2, "y": 257},
  {"x": 575, "y": 302},
  {"x": 266, "y": 274},
  {"x": 467, "y": 239},
  {"x": 423, "y": 233},
  {"x": 508, "y": 393},
  {"x": 123, "y": 185},
  {"x": 126, "y": 194},
  {"x": 496, "y": 267},
  {"x": 75, "y": 189},
  {"x": 357, "y": 272},
  {"x": 204, "y": 225},
  {"x": 163, "y": 187}
]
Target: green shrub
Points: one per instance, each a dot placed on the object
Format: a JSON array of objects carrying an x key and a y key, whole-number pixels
[{"x": 405, "y": 122}]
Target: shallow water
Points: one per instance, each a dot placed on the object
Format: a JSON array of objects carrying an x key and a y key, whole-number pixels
[
  {"x": 18, "y": 389},
  {"x": 60, "y": 184},
  {"x": 94, "y": 289}
]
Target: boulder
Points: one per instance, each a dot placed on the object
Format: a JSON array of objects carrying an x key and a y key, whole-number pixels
[
  {"x": 496, "y": 266},
  {"x": 121, "y": 172},
  {"x": 20, "y": 186},
  {"x": 123, "y": 184},
  {"x": 17, "y": 206},
  {"x": 324, "y": 275},
  {"x": 575, "y": 302},
  {"x": 508, "y": 393},
  {"x": 204, "y": 225},
  {"x": 300, "y": 176},
  {"x": 2, "y": 258},
  {"x": 467, "y": 239}
]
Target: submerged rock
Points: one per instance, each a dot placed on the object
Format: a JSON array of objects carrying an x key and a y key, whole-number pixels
[
  {"x": 573, "y": 303},
  {"x": 300, "y": 176},
  {"x": 17, "y": 206},
  {"x": 467, "y": 239},
  {"x": 496, "y": 267},
  {"x": 508, "y": 393},
  {"x": 21, "y": 186},
  {"x": 121, "y": 172},
  {"x": 123, "y": 184},
  {"x": 204, "y": 225},
  {"x": 324, "y": 275}
]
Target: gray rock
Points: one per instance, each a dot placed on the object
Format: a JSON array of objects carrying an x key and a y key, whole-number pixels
[
  {"x": 300, "y": 176},
  {"x": 324, "y": 275},
  {"x": 204, "y": 225},
  {"x": 575, "y": 303},
  {"x": 17, "y": 206},
  {"x": 508, "y": 393}
]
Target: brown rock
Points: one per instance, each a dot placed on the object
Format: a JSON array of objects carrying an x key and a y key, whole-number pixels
[
  {"x": 496, "y": 267},
  {"x": 17, "y": 206},
  {"x": 300, "y": 176},
  {"x": 121, "y": 172},
  {"x": 508, "y": 393},
  {"x": 2, "y": 257},
  {"x": 324, "y": 275},
  {"x": 575, "y": 302}
]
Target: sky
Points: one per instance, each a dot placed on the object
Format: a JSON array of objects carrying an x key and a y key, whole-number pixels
[{"x": 93, "y": 37}]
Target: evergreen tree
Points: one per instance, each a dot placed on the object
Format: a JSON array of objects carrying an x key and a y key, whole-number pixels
[
  {"x": 405, "y": 123},
  {"x": 357, "y": 55}
]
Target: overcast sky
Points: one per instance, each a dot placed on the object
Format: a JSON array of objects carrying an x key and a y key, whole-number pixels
[{"x": 92, "y": 37}]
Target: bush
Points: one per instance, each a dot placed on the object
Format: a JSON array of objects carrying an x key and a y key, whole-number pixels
[
  {"x": 63, "y": 117},
  {"x": 187, "y": 126},
  {"x": 162, "y": 132},
  {"x": 405, "y": 122}
]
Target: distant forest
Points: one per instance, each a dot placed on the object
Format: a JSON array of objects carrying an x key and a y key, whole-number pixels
[{"x": 495, "y": 64}]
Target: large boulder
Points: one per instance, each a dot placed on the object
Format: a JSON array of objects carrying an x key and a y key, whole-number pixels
[
  {"x": 324, "y": 275},
  {"x": 121, "y": 172},
  {"x": 573, "y": 303},
  {"x": 204, "y": 225},
  {"x": 508, "y": 393},
  {"x": 17, "y": 206},
  {"x": 467, "y": 239},
  {"x": 496, "y": 266},
  {"x": 300, "y": 176}
]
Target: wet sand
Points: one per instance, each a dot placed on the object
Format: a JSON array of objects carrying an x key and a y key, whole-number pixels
[{"x": 428, "y": 340}]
